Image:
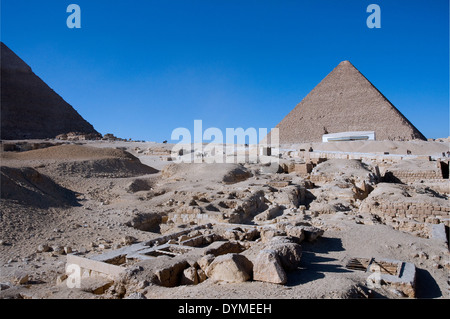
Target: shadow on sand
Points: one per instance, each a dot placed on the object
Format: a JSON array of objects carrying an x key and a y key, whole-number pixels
[
  {"x": 426, "y": 286},
  {"x": 314, "y": 267}
]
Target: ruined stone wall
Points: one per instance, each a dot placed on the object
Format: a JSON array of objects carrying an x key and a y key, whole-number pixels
[
  {"x": 320, "y": 179},
  {"x": 299, "y": 168},
  {"x": 422, "y": 212},
  {"x": 410, "y": 217},
  {"x": 412, "y": 176},
  {"x": 195, "y": 215}
]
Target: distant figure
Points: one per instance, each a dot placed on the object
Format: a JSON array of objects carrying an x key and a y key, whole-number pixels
[
  {"x": 165, "y": 142},
  {"x": 448, "y": 153}
]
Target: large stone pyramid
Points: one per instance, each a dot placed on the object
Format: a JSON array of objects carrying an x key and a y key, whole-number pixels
[
  {"x": 345, "y": 101},
  {"x": 30, "y": 109}
]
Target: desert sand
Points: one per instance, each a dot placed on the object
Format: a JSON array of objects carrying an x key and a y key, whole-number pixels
[{"x": 88, "y": 198}]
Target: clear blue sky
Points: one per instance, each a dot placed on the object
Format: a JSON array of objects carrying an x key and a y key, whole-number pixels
[{"x": 141, "y": 68}]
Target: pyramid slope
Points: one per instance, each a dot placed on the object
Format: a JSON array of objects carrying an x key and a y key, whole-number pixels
[
  {"x": 342, "y": 102},
  {"x": 30, "y": 109}
]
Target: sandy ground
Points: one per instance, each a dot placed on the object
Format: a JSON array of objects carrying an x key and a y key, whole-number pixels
[
  {"x": 103, "y": 205},
  {"x": 430, "y": 148}
]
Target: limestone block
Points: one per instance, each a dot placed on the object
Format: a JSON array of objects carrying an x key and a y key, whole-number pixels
[
  {"x": 268, "y": 233},
  {"x": 230, "y": 268},
  {"x": 289, "y": 254},
  {"x": 296, "y": 232},
  {"x": 205, "y": 261},
  {"x": 96, "y": 285},
  {"x": 189, "y": 277},
  {"x": 201, "y": 275},
  {"x": 223, "y": 247},
  {"x": 20, "y": 277},
  {"x": 267, "y": 267},
  {"x": 98, "y": 266},
  {"x": 168, "y": 275}
]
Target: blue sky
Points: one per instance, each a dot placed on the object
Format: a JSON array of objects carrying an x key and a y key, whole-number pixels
[{"x": 141, "y": 68}]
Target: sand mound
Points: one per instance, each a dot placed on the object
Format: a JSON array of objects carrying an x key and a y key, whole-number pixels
[
  {"x": 29, "y": 187},
  {"x": 399, "y": 193},
  {"x": 224, "y": 172},
  {"x": 340, "y": 165},
  {"x": 108, "y": 167},
  {"x": 85, "y": 161},
  {"x": 333, "y": 197},
  {"x": 69, "y": 152},
  {"x": 343, "y": 168}
]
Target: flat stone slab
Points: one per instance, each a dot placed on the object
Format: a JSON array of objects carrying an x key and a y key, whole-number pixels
[
  {"x": 438, "y": 232},
  {"x": 94, "y": 265},
  {"x": 124, "y": 251},
  {"x": 95, "y": 285}
]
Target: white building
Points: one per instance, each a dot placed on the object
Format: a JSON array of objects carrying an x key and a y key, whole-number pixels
[{"x": 349, "y": 136}]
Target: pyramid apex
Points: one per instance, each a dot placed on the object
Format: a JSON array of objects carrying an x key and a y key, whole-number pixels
[{"x": 345, "y": 62}]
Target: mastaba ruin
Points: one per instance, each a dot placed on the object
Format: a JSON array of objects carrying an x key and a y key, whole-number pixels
[
  {"x": 30, "y": 109},
  {"x": 345, "y": 101}
]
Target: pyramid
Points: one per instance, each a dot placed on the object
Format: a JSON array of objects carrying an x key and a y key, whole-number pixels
[
  {"x": 30, "y": 109},
  {"x": 345, "y": 101}
]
